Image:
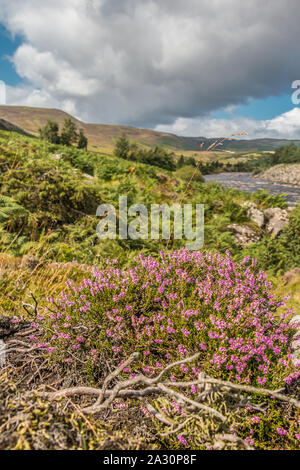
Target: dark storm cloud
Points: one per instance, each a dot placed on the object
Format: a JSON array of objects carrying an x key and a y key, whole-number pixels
[{"x": 149, "y": 62}]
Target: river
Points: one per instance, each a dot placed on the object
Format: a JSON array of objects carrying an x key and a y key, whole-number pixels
[{"x": 246, "y": 182}]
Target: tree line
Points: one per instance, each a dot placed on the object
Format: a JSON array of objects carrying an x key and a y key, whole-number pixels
[
  {"x": 157, "y": 156},
  {"x": 68, "y": 136}
]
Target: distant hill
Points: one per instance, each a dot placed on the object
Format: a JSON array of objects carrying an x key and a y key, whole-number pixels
[
  {"x": 8, "y": 126},
  {"x": 103, "y": 136}
]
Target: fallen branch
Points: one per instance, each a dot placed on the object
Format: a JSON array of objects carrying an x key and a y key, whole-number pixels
[
  {"x": 231, "y": 438},
  {"x": 115, "y": 374},
  {"x": 139, "y": 380},
  {"x": 250, "y": 389},
  {"x": 199, "y": 406},
  {"x": 155, "y": 386}
]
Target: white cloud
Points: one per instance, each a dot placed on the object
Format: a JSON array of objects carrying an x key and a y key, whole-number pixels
[
  {"x": 285, "y": 126},
  {"x": 148, "y": 62}
]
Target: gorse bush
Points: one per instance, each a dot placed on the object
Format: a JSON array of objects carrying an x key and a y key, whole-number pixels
[{"x": 170, "y": 308}]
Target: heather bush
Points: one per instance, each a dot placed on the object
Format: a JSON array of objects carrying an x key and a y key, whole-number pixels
[{"x": 169, "y": 308}]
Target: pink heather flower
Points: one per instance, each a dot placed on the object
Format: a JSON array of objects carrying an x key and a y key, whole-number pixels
[
  {"x": 171, "y": 330},
  {"x": 182, "y": 440},
  {"x": 255, "y": 419},
  {"x": 261, "y": 380},
  {"x": 176, "y": 407},
  {"x": 145, "y": 412},
  {"x": 121, "y": 406},
  {"x": 43, "y": 345},
  {"x": 223, "y": 296},
  {"x": 290, "y": 378},
  {"x": 281, "y": 432},
  {"x": 250, "y": 441},
  {"x": 185, "y": 331},
  {"x": 297, "y": 436},
  {"x": 182, "y": 350}
]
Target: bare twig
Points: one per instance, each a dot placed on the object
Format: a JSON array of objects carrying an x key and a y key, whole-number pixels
[
  {"x": 199, "y": 406},
  {"x": 249, "y": 388},
  {"x": 115, "y": 374},
  {"x": 232, "y": 438},
  {"x": 158, "y": 415},
  {"x": 33, "y": 307}
]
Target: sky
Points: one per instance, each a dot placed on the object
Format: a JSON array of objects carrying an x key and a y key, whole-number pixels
[{"x": 195, "y": 67}]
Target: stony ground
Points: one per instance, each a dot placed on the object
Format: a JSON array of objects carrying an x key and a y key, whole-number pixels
[{"x": 288, "y": 174}]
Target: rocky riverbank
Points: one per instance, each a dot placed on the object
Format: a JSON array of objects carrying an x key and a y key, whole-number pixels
[
  {"x": 246, "y": 182},
  {"x": 286, "y": 174}
]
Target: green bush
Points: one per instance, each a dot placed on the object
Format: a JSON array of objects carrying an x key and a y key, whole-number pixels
[{"x": 189, "y": 173}]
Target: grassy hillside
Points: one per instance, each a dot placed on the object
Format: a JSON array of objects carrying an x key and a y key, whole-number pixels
[
  {"x": 103, "y": 137},
  {"x": 51, "y": 194},
  {"x": 8, "y": 126}
]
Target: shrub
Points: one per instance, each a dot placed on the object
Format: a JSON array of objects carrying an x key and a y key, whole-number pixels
[
  {"x": 172, "y": 307},
  {"x": 188, "y": 173}
]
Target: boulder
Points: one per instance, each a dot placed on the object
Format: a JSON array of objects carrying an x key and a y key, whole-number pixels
[
  {"x": 254, "y": 214},
  {"x": 289, "y": 276},
  {"x": 244, "y": 235},
  {"x": 276, "y": 219}
]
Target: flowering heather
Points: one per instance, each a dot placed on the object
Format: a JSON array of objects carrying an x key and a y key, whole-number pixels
[{"x": 171, "y": 307}]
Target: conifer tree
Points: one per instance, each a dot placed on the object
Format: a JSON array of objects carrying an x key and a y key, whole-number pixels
[
  {"x": 68, "y": 133},
  {"x": 49, "y": 132},
  {"x": 82, "y": 140}
]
